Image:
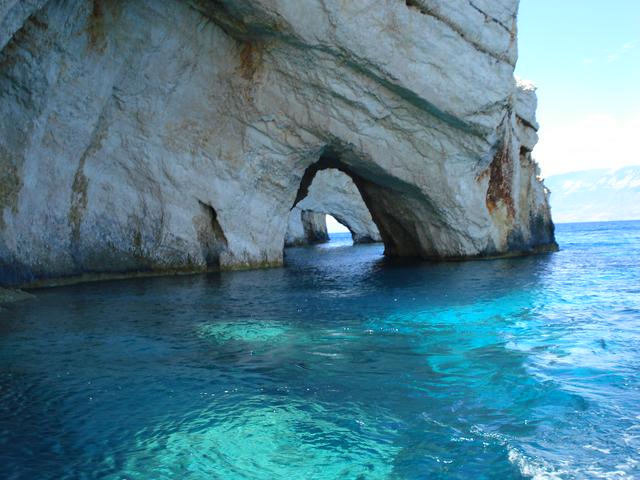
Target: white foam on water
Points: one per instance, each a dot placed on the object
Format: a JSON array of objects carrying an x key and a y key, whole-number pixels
[
  {"x": 606, "y": 451},
  {"x": 538, "y": 469},
  {"x": 534, "y": 469}
]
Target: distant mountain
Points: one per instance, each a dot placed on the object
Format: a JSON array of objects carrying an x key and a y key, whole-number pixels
[{"x": 595, "y": 195}]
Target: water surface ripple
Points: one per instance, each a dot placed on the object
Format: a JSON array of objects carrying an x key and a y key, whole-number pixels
[{"x": 342, "y": 365}]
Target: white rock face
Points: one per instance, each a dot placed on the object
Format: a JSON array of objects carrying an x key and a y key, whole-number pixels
[
  {"x": 161, "y": 135},
  {"x": 333, "y": 192}
]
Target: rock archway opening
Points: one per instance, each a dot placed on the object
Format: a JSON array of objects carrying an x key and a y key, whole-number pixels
[
  {"x": 329, "y": 201},
  {"x": 373, "y": 205},
  {"x": 335, "y": 226},
  {"x": 211, "y": 237},
  {"x": 339, "y": 233}
]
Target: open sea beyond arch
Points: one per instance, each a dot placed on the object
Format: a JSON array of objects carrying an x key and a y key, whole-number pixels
[{"x": 340, "y": 366}]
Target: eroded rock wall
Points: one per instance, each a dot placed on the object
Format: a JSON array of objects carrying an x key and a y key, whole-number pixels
[{"x": 149, "y": 135}]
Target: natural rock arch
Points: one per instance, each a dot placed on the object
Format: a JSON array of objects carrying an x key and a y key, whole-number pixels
[
  {"x": 119, "y": 120},
  {"x": 331, "y": 192}
]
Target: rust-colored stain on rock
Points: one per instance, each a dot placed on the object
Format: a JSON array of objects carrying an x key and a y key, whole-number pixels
[
  {"x": 249, "y": 60},
  {"x": 500, "y": 175},
  {"x": 95, "y": 26}
]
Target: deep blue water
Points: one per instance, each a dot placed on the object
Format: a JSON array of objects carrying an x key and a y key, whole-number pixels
[{"x": 341, "y": 365}]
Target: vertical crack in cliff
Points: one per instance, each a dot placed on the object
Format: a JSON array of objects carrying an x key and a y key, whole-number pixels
[
  {"x": 95, "y": 26},
  {"x": 250, "y": 60},
  {"x": 501, "y": 179},
  {"x": 103, "y": 12},
  {"x": 78, "y": 202},
  {"x": 10, "y": 184},
  {"x": 212, "y": 239},
  {"x": 80, "y": 185}
]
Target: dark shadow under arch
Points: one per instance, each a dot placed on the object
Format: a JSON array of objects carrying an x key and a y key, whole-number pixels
[
  {"x": 212, "y": 239},
  {"x": 383, "y": 196}
]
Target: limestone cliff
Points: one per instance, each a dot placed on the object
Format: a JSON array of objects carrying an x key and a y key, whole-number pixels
[{"x": 160, "y": 135}]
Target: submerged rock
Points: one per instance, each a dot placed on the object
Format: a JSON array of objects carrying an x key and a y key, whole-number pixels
[
  {"x": 148, "y": 135},
  {"x": 12, "y": 296}
]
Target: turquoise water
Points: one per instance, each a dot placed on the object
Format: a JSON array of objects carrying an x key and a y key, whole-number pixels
[{"x": 342, "y": 365}]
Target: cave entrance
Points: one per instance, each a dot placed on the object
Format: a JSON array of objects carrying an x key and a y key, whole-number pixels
[
  {"x": 397, "y": 212},
  {"x": 329, "y": 202},
  {"x": 339, "y": 233},
  {"x": 211, "y": 237},
  {"x": 334, "y": 226}
]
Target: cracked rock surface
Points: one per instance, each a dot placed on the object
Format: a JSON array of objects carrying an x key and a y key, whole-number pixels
[{"x": 177, "y": 135}]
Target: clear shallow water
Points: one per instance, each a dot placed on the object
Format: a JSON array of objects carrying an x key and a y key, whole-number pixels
[{"x": 339, "y": 366}]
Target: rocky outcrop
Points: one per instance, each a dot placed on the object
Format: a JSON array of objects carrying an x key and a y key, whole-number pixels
[
  {"x": 148, "y": 135},
  {"x": 306, "y": 228}
]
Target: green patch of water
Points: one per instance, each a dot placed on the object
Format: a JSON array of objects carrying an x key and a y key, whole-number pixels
[
  {"x": 250, "y": 331},
  {"x": 257, "y": 439}
]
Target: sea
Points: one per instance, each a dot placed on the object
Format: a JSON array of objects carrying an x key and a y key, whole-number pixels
[{"x": 342, "y": 365}]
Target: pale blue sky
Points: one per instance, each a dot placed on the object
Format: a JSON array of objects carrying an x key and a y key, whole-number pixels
[
  {"x": 584, "y": 57},
  {"x": 333, "y": 226}
]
